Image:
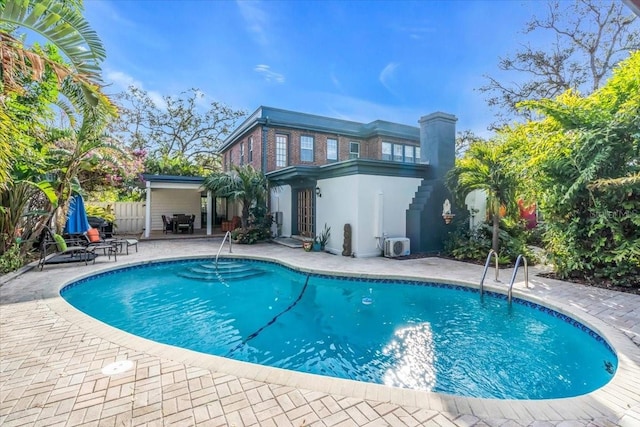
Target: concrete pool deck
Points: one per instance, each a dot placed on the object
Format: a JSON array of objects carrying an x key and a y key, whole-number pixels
[{"x": 52, "y": 357}]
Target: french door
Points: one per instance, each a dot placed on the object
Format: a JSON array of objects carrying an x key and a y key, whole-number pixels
[{"x": 305, "y": 212}]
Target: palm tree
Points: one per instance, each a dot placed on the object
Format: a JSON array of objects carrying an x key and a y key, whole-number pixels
[
  {"x": 484, "y": 167},
  {"x": 72, "y": 150},
  {"x": 66, "y": 29},
  {"x": 242, "y": 183}
]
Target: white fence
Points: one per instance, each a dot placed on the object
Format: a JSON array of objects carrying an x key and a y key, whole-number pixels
[{"x": 129, "y": 216}]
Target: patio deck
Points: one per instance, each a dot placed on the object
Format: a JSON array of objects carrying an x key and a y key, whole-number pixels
[{"x": 51, "y": 360}]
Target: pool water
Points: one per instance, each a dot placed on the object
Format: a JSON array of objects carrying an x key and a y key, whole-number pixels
[{"x": 408, "y": 334}]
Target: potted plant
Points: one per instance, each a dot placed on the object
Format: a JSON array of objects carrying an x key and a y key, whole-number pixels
[
  {"x": 323, "y": 237},
  {"x": 316, "y": 244},
  {"x": 307, "y": 245}
]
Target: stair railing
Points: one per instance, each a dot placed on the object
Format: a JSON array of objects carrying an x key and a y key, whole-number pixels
[
  {"x": 515, "y": 271},
  {"x": 486, "y": 267},
  {"x": 227, "y": 234}
]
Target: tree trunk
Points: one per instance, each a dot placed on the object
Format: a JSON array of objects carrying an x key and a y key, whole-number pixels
[
  {"x": 245, "y": 215},
  {"x": 495, "y": 242}
]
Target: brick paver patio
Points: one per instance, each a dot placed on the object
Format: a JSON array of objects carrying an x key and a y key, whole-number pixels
[{"x": 52, "y": 359}]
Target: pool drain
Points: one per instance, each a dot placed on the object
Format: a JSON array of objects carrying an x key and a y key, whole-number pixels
[{"x": 117, "y": 367}]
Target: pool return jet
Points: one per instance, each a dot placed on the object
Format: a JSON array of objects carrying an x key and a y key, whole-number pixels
[{"x": 513, "y": 276}]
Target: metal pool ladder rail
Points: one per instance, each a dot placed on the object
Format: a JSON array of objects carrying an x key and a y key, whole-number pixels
[
  {"x": 486, "y": 267},
  {"x": 227, "y": 234},
  {"x": 515, "y": 271}
]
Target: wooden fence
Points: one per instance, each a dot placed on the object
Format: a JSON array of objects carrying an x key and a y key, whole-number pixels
[{"x": 129, "y": 216}]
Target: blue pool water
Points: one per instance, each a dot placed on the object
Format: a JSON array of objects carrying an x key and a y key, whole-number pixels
[{"x": 408, "y": 334}]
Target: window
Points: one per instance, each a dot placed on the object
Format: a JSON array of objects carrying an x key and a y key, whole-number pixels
[
  {"x": 281, "y": 151},
  {"x": 250, "y": 149},
  {"x": 397, "y": 152},
  {"x": 386, "y": 151},
  {"x": 306, "y": 148},
  {"x": 241, "y": 153},
  {"x": 417, "y": 151},
  {"x": 332, "y": 150},
  {"x": 354, "y": 150},
  {"x": 408, "y": 154}
]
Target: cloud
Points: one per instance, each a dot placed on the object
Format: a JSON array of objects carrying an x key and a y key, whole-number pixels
[
  {"x": 121, "y": 82},
  {"x": 256, "y": 21},
  {"x": 269, "y": 76},
  {"x": 387, "y": 76}
]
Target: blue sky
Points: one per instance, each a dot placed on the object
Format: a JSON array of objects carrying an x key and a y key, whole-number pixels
[{"x": 356, "y": 60}]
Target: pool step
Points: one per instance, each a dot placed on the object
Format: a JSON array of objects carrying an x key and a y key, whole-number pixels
[
  {"x": 213, "y": 277},
  {"x": 225, "y": 272}
]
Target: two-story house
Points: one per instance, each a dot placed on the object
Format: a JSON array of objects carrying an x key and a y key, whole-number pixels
[{"x": 383, "y": 179}]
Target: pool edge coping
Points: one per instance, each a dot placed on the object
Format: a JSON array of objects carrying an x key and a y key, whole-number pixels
[{"x": 614, "y": 398}]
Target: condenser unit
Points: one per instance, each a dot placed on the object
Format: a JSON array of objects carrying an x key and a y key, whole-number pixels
[{"x": 396, "y": 246}]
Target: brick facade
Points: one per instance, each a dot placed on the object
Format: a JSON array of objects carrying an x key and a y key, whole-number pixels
[{"x": 370, "y": 146}]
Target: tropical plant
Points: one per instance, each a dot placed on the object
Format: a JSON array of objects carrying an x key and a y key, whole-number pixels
[
  {"x": 63, "y": 26},
  {"x": 73, "y": 150},
  {"x": 584, "y": 160},
  {"x": 243, "y": 184},
  {"x": 484, "y": 166}
]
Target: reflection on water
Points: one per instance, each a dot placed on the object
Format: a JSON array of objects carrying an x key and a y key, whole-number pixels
[{"x": 413, "y": 350}]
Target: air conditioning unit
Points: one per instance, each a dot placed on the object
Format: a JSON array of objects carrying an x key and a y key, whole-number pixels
[{"x": 396, "y": 246}]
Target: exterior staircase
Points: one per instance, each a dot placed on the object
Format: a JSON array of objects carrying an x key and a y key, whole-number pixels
[{"x": 425, "y": 227}]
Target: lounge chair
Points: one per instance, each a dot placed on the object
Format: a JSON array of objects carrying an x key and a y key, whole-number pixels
[{"x": 54, "y": 249}]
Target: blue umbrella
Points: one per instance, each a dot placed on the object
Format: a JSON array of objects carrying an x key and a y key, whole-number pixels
[{"x": 77, "y": 222}]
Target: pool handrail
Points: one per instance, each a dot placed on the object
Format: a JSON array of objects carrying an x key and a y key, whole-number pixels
[
  {"x": 515, "y": 271},
  {"x": 486, "y": 267},
  {"x": 227, "y": 234}
]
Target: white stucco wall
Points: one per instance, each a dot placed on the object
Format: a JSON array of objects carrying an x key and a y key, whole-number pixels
[
  {"x": 281, "y": 202},
  {"x": 372, "y": 204},
  {"x": 476, "y": 201},
  {"x": 166, "y": 201}
]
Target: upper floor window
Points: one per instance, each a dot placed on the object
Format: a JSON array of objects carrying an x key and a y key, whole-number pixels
[
  {"x": 417, "y": 154},
  {"x": 250, "y": 149},
  {"x": 354, "y": 150},
  {"x": 386, "y": 151},
  {"x": 332, "y": 150},
  {"x": 397, "y": 152},
  {"x": 306, "y": 148},
  {"x": 241, "y": 154},
  {"x": 408, "y": 154},
  {"x": 281, "y": 150}
]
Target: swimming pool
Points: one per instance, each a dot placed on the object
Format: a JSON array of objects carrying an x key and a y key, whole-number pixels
[{"x": 404, "y": 333}]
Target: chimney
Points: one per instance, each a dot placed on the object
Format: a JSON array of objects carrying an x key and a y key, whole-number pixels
[{"x": 438, "y": 142}]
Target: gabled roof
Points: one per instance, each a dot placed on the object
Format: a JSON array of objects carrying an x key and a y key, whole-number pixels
[{"x": 269, "y": 116}]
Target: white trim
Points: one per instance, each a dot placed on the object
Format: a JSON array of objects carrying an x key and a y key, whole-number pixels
[{"x": 147, "y": 220}]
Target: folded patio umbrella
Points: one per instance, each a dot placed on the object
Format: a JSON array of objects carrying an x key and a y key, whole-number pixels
[{"x": 77, "y": 221}]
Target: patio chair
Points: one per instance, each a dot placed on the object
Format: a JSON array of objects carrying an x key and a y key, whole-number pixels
[
  {"x": 54, "y": 249},
  {"x": 167, "y": 224},
  {"x": 183, "y": 223}
]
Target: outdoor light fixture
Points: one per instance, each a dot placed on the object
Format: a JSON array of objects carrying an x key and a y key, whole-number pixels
[
  {"x": 446, "y": 212},
  {"x": 318, "y": 192}
]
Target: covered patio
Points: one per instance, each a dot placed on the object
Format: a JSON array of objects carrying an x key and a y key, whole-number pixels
[{"x": 170, "y": 196}]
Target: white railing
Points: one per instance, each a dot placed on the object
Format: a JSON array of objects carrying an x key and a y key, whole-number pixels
[{"x": 227, "y": 234}]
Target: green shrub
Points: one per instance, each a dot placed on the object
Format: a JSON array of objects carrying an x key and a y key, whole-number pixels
[
  {"x": 250, "y": 236},
  {"x": 11, "y": 259},
  {"x": 474, "y": 245},
  {"x": 100, "y": 212}
]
